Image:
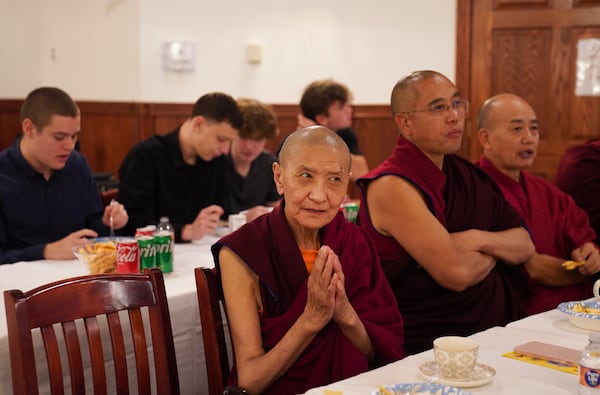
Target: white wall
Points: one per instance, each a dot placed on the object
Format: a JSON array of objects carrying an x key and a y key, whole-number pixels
[
  {"x": 111, "y": 49},
  {"x": 20, "y": 47}
]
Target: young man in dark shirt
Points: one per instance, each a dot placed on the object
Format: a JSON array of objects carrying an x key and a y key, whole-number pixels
[
  {"x": 249, "y": 172},
  {"x": 180, "y": 175},
  {"x": 49, "y": 202}
]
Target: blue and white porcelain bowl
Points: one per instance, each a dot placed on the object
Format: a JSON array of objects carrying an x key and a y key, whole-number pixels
[
  {"x": 421, "y": 389},
  {"x": 583, "y": 314}
]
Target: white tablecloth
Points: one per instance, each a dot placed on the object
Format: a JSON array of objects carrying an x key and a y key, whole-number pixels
[
  {"x": 512, "y": 376},
  {"x": 183, "y": 307}
]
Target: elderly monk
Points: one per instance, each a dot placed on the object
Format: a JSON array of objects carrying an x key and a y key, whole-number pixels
[
  {"x": 450, "y": 245},
  {"x": 578, "y": 175},
  {"x": 509, "y": 135},
  {"x": 307, "y": 301}
]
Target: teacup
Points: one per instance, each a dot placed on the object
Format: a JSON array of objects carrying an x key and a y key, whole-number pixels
[{"x": 455, "y": 356}]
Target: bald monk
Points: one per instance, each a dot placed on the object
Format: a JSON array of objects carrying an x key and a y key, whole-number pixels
[
  {"x": 509, "y": 134},
  {"x": 307, "y": 301},
  {"x": 450, "y": 245}
]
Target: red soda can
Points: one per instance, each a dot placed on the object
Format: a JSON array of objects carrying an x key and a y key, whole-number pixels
[
  {"x": 147, "y": 230},
  {"x": 128, "y": 256}
]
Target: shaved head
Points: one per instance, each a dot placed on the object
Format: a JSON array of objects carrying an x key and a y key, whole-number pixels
[
  {"x": 485, "y": 117},
  {"x": 312, "y": 135},
  {"x": 405, "y": 92}
]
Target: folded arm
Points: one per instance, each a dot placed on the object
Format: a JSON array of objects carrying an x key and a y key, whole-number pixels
[
  {"x": 513, "y": 246},
  {"x": 398, "y": 209}
]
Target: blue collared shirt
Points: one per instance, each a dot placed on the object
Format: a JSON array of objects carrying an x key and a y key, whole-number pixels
[{"x": 34, "y": 212}]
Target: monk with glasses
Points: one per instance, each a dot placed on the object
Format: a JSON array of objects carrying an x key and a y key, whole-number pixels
[{"x": 451, "y": 247}]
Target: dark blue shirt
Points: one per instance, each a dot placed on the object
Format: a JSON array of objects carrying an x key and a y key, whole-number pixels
[{"x": 34, "y": 212}]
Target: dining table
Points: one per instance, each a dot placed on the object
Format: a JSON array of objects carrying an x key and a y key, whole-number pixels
[
  {"x": 180, "y": 288},
  {"x": 507, "y": 375}
]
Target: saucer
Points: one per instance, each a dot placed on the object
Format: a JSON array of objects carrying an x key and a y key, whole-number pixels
[{"x": 482, "y": 374}]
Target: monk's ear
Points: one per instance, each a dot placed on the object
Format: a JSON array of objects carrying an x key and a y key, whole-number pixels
[
  {"x": 403, "y": 123},
  {"x": 484, "y": 138},
  {"x": 277, "y": 177}
]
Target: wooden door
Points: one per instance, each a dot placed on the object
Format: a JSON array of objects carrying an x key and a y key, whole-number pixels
[{"x": 529, "y": 47}]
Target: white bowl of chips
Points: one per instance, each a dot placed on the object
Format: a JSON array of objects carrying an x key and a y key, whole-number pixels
[
  {"x": 100, "y": 255},
  {"x": 583, "y": 314}
]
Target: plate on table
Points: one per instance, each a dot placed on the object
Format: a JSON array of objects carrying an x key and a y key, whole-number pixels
[
  {"x": 481, "y": 374},
  {"x": 582, "y": 314},
  {"x": 420, "y": 389}
]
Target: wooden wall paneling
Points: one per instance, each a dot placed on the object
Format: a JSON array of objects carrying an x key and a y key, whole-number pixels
[
  {"x": 376, "y": 132},
  {"x": 162, "y": 118},
  {"x": 108, "y": 131},
  {"x": 462, "y": 78},
  {"x": 499, "y": 4},
  {"x": 480, "y": 23},
  {"x": 586, "y": 3},
  {"x": 10, "y": 124},
  {"x": 521, "y": 60}
]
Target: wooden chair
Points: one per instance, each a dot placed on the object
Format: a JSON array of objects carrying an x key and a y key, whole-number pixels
[
  {"x": 75, "y": 305},
  {"x": 210, "y": 299}
]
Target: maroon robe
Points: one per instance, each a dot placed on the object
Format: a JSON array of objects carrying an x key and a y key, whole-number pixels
[
  {"x": 268, "y": 247},
  {"x": 578, "y": 175},
  {"x": 557, "y": 227},
  {"x": 461, "y": 197}
]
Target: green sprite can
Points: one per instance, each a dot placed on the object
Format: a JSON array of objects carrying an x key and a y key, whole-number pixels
[
  {"x": 163, "y": 243},
  {"x": 350, "y": 211},
  {"x": 147, "y": 252}
]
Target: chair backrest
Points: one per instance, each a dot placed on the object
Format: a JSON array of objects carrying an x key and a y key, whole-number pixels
[
  {"x": 81, "y": 308},
  {"x": 210, "y": 299}
]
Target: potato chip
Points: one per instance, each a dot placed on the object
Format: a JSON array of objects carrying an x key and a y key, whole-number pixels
[
  {"x": 101, "y": 257},
  {"x": 570, "y": 265}
]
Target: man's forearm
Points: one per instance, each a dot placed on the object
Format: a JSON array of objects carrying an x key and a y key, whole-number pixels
[{"x": 513, "y": 246}]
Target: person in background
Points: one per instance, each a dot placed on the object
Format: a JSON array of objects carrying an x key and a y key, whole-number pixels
[
  {"x": 180, "y": 174},
  {"x": 49, "y": 202},
  {"x": 578, "y": 175},
  {"x": 327, "y": 103},
  {"x": 451, "y": 247},
  {"x": 249, "y": 173},
  {"x": 307, "y": 301},
  {"x": 509, "y": 134}
]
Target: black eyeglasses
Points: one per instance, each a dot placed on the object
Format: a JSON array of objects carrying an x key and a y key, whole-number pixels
[{"x": 461, "y": 106}]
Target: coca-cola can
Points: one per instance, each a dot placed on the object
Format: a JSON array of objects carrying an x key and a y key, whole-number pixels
[{"x": 128, "y": 256}]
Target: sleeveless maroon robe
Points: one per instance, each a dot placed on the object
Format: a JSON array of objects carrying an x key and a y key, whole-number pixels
[
  {"x": 461, "y": 197},
  {"x": 268, "y": 247}
]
